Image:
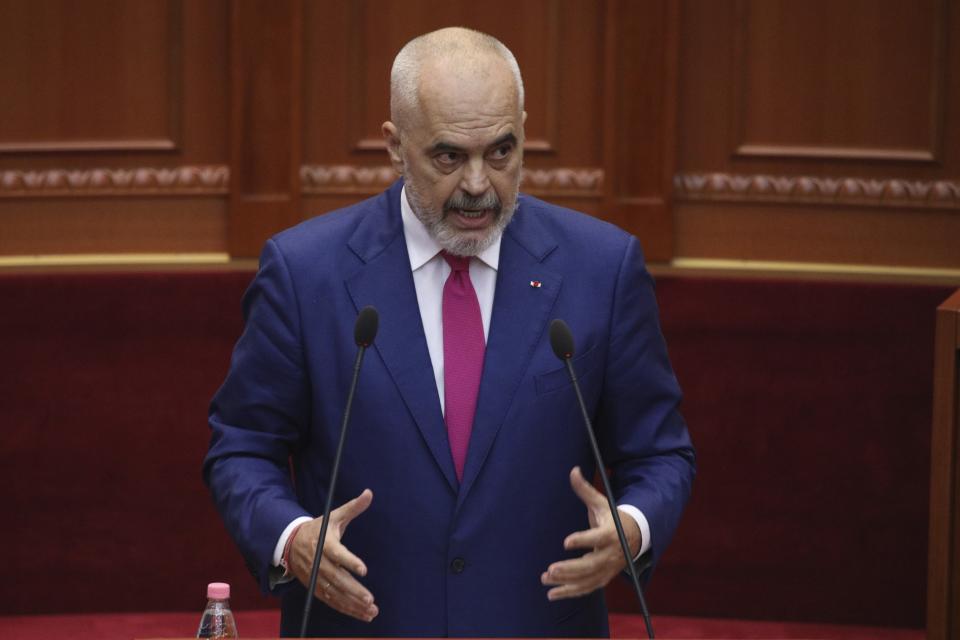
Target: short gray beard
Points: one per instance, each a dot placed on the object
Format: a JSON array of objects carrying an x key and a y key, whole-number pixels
[{"x": 453, "y": 240}]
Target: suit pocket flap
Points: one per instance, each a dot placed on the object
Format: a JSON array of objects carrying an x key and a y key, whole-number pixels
[{"x": 559, "y": 378}]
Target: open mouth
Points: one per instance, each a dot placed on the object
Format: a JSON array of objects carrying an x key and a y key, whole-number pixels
[{"x": 471, "y": 219}]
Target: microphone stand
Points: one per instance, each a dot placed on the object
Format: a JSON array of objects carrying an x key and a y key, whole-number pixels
[
  {"x": 561, "y": 340},
  {"x": 364, "y": 332}
]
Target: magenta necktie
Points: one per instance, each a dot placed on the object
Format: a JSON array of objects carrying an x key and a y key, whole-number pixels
[{"x": 463, "y": 347}]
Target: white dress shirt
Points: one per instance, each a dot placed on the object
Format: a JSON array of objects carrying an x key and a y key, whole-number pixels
[{"x": 430, "y": 272}]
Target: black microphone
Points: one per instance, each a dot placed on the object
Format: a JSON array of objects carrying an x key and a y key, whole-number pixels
[
  {"x": 364, "y": 331},
  {"x": 561, "y": 341}
]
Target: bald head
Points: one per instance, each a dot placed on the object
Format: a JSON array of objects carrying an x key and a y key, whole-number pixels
[{"x": 452, "y": 56}]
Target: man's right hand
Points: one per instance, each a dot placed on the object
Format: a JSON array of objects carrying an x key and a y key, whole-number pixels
[{"x": 336, "y": 585}]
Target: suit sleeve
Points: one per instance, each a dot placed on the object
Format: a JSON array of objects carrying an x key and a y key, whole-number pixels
[
  {"x": 258, "y": 417},
  {"x": 643, "y": 436}
]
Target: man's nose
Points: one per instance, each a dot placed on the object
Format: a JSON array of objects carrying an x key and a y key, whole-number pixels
[{"x": 474, "y": 180}]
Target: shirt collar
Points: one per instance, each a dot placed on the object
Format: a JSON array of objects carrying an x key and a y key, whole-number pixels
[{"x": 421, "y": 247}]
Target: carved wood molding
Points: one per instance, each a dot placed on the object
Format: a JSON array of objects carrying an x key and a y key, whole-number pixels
[
  {"x": 348, "y": 179},
  {"x": 185, "y": 180},
  {"x": 345, "y": 178},
  {"x": 578, "y": 181},
  {"x": 888, "y": 192}
]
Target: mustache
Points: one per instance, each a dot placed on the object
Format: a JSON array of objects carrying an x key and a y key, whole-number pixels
[{"x": 473, "y": 203}]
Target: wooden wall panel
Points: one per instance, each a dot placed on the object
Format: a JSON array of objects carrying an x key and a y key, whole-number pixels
[
  {"x": 119, "y": 100},
  {"x": 822, "y": 234},
  {"x": 639, "y": 120},
  {"x": 102, "y": 76},
  {"x": 836, "y": 80},
  {"x": 265, "y": 121},
  {"x": 810, "y": 131},
  {"x": 107, "y": 225}
]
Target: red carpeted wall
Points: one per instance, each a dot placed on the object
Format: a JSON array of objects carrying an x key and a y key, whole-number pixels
[
  {"x": 810, "y": 407},
  {"x": 105, "y": 384},
  {"x": 809, "y": 403}
]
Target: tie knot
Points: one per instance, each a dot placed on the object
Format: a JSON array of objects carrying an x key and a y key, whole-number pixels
[{"x": 457, "y": 263}]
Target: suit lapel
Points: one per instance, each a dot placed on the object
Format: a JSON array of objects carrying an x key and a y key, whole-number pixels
[
  {"x": 520, "y": 316},
  {"x": 385, "y": 281}
]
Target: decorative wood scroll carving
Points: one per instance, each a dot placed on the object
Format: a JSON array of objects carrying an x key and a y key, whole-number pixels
[
  {"x": 324, "y": 179},
  {"x": 345, "y": 178},
  {"x": 215, "y": 180},
  {"x": 192, "y": 180},
  {"x": 893, "y": 192},
  {"x": 586, "y": 181}
]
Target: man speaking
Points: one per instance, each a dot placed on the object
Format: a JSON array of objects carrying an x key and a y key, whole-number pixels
[{"x": 466, "y": 507}]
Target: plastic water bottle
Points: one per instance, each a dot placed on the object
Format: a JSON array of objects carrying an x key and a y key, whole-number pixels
[{"x": 217, "y": 620}]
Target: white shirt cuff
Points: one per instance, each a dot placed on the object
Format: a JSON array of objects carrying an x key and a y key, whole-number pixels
[
  {"x": 641, "y": 521},
  {"x": 282, "y": 542}
]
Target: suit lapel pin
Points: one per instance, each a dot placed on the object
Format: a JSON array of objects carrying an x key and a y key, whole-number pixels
[{"x": 536, "y": 284}]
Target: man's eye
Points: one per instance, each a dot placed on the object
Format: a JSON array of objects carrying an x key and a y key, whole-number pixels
[
  {"x": 449, "y": 158},
  {"x": 500, "y": 153}
]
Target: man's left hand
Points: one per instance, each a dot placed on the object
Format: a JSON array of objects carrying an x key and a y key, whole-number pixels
[{"x": 593, "y": 570}]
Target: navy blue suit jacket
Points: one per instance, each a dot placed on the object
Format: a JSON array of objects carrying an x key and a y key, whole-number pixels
[{"x": 283, "y": 399}]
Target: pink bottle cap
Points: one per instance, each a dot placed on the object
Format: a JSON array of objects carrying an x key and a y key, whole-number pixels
[{"x": 218, "y": 590}]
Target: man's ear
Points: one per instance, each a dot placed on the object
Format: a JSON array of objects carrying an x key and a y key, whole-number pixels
[{"x": 392, "y": 137}]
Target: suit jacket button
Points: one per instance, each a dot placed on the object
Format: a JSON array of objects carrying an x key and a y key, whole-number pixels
[{"x": 458, "y": 565}]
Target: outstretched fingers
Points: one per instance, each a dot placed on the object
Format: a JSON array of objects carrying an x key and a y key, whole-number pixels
[
  {"x": 341, "y": 556},
  {"x": 594, "y": 569},
  {"x": 342, "y": 592},
  {"x": 573, "y": 578},
  {"x": 337, "y": 583},
  {"x": 589, "y": 539}
]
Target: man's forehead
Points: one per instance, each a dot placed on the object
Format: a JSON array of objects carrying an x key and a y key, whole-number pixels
[{"x": 467, "y": 120}]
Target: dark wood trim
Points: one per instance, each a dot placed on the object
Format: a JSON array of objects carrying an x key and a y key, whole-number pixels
[
  {"x": 834, "y": 153},
  {"x": 943, "y": 567},
  {"x": 265, "y": 128},
  {"x": 176, "y": 78},
  {"x": 71, "y": 146},
  {"x": 551, "y": 143},
  {"x": 641, "y": 58}
]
